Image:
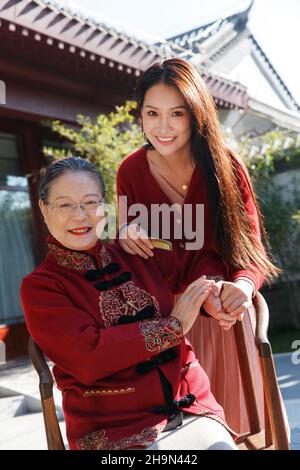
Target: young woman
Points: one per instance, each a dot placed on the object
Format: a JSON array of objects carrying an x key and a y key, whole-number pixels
[
  {"x": 107, "y": 321},
  {"x": 186, "y": 165}
]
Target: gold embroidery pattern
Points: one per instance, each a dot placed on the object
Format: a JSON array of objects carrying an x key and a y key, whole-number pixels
[
  {"x": 71, "y": 259},
  {"x": 99, "y": 441},
  {"x": 112, "y": 305},
  {"x": 105, "y": 256},
  {"x": 161, "y": 334},
  {"x": 77, "y": 260},
  {"x": 115, "y": 391}
]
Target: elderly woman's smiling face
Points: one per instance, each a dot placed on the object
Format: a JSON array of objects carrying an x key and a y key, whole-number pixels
[{"x": 70, "y": 209}]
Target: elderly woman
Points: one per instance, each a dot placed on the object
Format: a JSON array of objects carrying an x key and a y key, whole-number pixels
[{"x": 107, "y": 321}]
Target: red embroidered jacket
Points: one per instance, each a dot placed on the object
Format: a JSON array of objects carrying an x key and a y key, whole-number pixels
[
  {"x": 79, "y": 308},
  {"x": 135, "y": 180}
]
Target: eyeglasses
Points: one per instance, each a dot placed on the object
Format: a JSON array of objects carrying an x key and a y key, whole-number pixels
[{"x": 67, "y": 208}]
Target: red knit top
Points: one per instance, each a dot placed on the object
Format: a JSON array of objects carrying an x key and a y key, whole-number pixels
[{"x": 135, "y": 180}]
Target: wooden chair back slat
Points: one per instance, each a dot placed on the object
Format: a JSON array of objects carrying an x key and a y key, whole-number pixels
[{"x": 247, "y": 377}]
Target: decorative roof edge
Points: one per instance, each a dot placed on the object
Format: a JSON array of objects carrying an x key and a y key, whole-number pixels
[
  {"x": 241, "y": 15},
  {"x": 18, "y": 16},
  {"x": 274, "y": 72}
]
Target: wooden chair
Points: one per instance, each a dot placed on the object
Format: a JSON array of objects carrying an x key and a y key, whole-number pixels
[
  {"x": 274, "y": 436},
  {"x": 53, "y": 433}
]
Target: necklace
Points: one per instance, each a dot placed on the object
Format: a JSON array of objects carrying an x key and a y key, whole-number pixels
[
  {"x": 164, "y": 170},
  {"x": 183, "y": 187}
]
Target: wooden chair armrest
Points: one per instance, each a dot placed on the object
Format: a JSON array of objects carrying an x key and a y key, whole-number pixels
[
  {"x": 41, "y": 366},
  {"x": 262, "y": 325},
  {"x": 53, "y": 433}
]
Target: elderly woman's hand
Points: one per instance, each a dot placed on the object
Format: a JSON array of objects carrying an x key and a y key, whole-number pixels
[{"x": 186, "y": 309}]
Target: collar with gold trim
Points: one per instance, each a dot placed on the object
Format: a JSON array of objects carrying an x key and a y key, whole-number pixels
[{"x": 77, "y": 260}]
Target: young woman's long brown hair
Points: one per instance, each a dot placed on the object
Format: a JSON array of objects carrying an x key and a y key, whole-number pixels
[{"x": 232, "y": 227}]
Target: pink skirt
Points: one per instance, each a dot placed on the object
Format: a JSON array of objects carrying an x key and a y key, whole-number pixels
[{"x": 217, "y": 354}]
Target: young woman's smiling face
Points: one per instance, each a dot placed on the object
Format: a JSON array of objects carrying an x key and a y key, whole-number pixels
[
  {"x": 73, "y": 225},
  {"x": 166, "y": 120}
]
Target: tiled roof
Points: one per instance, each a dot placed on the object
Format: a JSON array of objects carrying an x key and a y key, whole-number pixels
[
  {"x": 226, "y": 93},
  {"x": 50, "y": 26},
  {"x": 191, "y": 42},
  {"x": 190, "y": 39},
  {"x": 73, "y": 30}
]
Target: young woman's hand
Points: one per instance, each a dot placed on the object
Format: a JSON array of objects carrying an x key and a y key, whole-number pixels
[
  {"x": 236, "y": 297},
  {"x": 134, "y": 240},
  {"x": 186, "y": 309},
  {"x": 228, "y": 302},
  {"x": 213, "y": 306}
]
